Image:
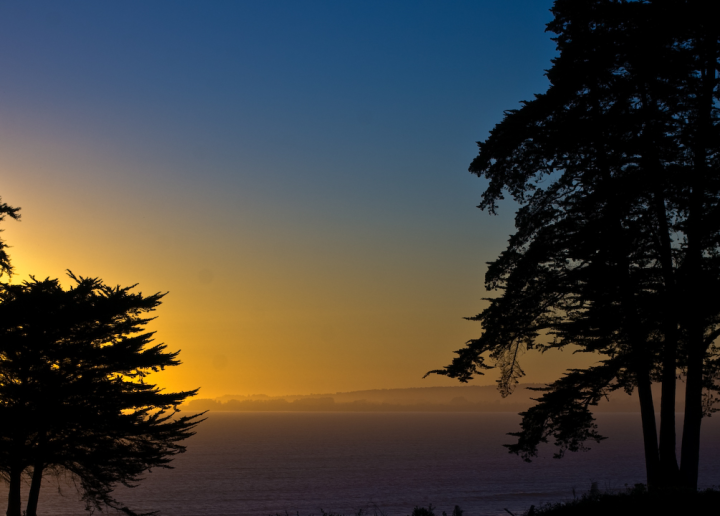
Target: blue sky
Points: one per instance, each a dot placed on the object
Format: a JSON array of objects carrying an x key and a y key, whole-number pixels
[{"x": 310, "y": 158}]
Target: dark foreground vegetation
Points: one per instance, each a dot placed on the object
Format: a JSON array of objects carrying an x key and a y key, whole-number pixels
[
  {"x": 374, "y": 510},
  {"x": 631, "y": 502},
  {"x": 635, "y": 501}
]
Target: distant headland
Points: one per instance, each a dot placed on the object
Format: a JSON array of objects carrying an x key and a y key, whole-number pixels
[{"x": 461, "y": 398}]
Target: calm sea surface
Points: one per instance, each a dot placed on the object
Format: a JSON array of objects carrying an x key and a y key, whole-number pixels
[{"x": 268, "y": 463}]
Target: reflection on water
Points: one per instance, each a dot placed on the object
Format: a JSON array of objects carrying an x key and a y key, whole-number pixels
[{"x": 266, "y": 463}]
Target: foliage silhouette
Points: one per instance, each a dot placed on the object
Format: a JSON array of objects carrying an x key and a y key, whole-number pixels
[
  {"x": 374, "y": 510},
  {"x": 633, "y": 501},
  {"x": 617, "y": 249},
  {"x": 13, "y": 213},
  {"x": 74, "y": 389},
  {"x": 422, "y": 511}
]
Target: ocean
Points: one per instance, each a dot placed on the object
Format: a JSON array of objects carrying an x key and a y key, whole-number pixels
[{"x": 261, "y": 464}]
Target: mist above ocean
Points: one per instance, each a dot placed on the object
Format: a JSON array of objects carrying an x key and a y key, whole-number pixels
[{"x": 266, "y": 463}]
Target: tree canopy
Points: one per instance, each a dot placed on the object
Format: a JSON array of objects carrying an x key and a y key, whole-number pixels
[
  {"x": 617, "y": 246},
  {"x": 13, "y": 213},
  {"x": 74, "y": 389}
]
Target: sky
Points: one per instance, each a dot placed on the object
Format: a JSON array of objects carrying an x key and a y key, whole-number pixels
[{"x": 293, "y": 174}]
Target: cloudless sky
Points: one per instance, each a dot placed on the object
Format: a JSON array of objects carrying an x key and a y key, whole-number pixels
[{"x": 294, "y": 173}]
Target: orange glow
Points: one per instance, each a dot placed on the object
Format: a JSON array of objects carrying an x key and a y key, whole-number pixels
[{"x": 262, "y": 298}]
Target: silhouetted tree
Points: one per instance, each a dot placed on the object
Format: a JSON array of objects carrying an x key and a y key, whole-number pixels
[
  {"x": 6, "y": 211},
  {"x": 617, "y": 250},
  {"x": 74, "y": 394}
]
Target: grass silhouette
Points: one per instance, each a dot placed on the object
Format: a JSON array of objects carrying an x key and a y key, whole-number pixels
[
  {"x": 633, "y": 501},
  {"x": 374, "y": 510}
]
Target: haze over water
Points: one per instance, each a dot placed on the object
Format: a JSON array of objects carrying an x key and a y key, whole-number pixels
[{"x": 258, "y": 464}]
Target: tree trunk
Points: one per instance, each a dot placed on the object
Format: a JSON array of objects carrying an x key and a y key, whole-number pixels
[
  {"x": 668, "y": 453},
  {"x": 34, "y": 493},
  {"x": 690, "y": 455},
  {"x": 14, "y": 503},
  {"x": 668, "y": 448},
  {"x": 650, "y": 440}
]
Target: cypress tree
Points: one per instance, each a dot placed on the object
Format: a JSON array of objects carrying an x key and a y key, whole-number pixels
[
  {"x": 74, "y": 392},
  {"x": 618, "y": 234}
]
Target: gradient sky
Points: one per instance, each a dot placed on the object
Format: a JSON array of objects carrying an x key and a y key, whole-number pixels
[{"x": 293, "y": 173}]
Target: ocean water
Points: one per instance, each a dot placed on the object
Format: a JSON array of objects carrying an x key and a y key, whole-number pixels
[{"x": 268, "y": 463}]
